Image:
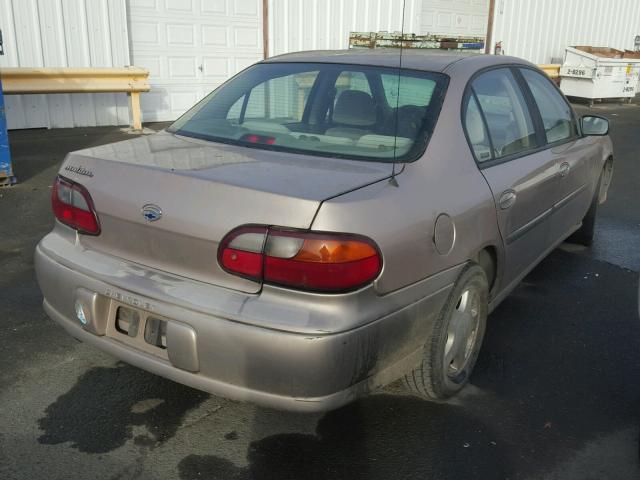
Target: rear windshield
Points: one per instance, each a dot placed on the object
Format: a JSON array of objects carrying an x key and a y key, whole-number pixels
[{"x": 347, "y": 111}]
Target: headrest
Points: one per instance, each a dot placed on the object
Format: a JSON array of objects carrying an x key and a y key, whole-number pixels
[{"x": 355, "y": 108}]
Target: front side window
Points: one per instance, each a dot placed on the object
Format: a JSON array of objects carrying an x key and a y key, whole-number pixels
[
  {"x": 345, "y": 111},
  {"x": 554, "y": 110},
  {"x": 505, "y": 110}
]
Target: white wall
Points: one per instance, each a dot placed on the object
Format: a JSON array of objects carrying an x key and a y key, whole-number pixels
[
  {"x": 539, "y": 30},
  {"x": 64, "y": 33},
  {"x": 223, "y": 36},
  {"x": 189, "y": 46},
  {"x": 296, "y": 25}
]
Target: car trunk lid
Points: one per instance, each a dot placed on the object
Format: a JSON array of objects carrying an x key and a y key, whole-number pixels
[{"x": 200, "y": 191}]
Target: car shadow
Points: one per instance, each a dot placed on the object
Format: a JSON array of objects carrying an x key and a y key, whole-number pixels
[
  {"x": 378, "y": 437},
  {"x": 548, "y": 383},
  {"x": 98, "y": 413}
]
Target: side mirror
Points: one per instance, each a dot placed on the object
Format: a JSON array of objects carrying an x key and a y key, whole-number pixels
[{"x": 592, "y": 125}]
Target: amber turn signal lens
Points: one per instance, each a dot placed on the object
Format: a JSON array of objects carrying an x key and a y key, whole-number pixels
[{"x": 334, "y": 251}]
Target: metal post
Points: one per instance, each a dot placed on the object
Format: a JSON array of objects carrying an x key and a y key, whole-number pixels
[
  {"x": 265, "y": 28},
  {"x": 6, "y": 172},
  {"x": 488, "y": 48}
]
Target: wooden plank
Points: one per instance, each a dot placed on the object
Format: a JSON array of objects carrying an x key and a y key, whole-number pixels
[
  {"x": 134, "y": 108},
  {"x": 74, "y": 80},
  {"x": 130, "y": 80}
]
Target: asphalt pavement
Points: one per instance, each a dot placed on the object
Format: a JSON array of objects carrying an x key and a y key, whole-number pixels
[{"x": 556, "y": 393}]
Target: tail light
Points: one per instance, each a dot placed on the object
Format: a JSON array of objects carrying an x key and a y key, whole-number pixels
[
  {"x": 304, "y": 260},
  {"x": 72, "y": 205},
  {"x": 253, "y": 138}
]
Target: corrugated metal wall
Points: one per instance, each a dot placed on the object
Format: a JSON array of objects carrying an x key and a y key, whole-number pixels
[
  {"x": 296, "y": 25},
  {"x": 539, "y": 30},
  {"x": 65, "y": 33}
]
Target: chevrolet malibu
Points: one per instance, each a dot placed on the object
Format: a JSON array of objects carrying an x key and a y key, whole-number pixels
[{"x": 323, "y": 224}]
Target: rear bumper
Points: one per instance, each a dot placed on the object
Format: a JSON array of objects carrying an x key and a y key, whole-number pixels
[{"x": 227, "y": 354}]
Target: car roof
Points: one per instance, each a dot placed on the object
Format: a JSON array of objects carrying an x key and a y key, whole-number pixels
[{"x": 412, "y": 58}]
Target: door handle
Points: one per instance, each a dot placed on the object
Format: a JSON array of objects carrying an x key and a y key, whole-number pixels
[
  {"x": 564, "y": 169},
  {"x": 507, "y": 199}
]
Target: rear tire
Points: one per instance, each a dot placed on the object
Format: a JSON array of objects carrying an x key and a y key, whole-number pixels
[{"x": 451, "y": 351}]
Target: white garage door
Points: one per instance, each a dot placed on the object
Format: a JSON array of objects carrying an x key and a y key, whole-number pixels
[
  {"x": 455, "y": 17},
  {"x": 190, "y": 47}
]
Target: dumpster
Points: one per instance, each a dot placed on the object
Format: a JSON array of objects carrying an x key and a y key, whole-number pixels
[{"x": 599, "y": 72}]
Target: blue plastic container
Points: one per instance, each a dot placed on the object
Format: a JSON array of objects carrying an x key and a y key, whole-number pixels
[{"x": 6, "y": 171}]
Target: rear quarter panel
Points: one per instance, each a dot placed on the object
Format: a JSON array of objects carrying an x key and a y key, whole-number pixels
[{"x": 401, "y": 219}]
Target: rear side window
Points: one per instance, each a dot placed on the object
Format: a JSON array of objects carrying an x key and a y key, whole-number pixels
[
  {"x": 266, "y": 103},
  {"x": 403, "y": 91},
  {"x": 554, "y": 110},
  {"x": 508, "y": 118}
]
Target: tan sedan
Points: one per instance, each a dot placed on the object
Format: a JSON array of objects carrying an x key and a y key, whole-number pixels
[{"x": 323, "y": 223}]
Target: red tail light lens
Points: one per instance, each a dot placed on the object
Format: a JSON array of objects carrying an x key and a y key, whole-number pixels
[
  {"x": 72, "y": 205},
  {"x": 313, "y": 261},
  {"x": 240, "y": 252}
]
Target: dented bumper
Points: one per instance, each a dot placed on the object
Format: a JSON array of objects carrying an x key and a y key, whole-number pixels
[{"x": 299, "y": 352}]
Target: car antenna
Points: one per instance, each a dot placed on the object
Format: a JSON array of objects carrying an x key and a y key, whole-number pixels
[{"x": 393, "y": 180}]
